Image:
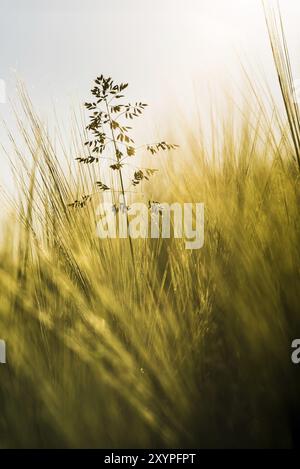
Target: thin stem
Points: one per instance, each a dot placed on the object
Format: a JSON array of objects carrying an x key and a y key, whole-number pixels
[
  {"x": 116, "y": 151},
  {"x": 122, "y": 184}
]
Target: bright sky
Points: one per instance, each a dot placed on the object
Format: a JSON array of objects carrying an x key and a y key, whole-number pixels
[{"x": 170, "y": 51}]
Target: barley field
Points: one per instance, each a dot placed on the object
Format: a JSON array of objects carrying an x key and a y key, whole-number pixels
[{"x": 162, "y": 347}]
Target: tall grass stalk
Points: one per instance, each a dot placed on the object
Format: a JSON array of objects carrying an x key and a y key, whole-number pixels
[{"x": 284, "y": 71}]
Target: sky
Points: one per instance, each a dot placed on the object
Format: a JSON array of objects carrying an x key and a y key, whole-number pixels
[{"x": 176, "y": 54}]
